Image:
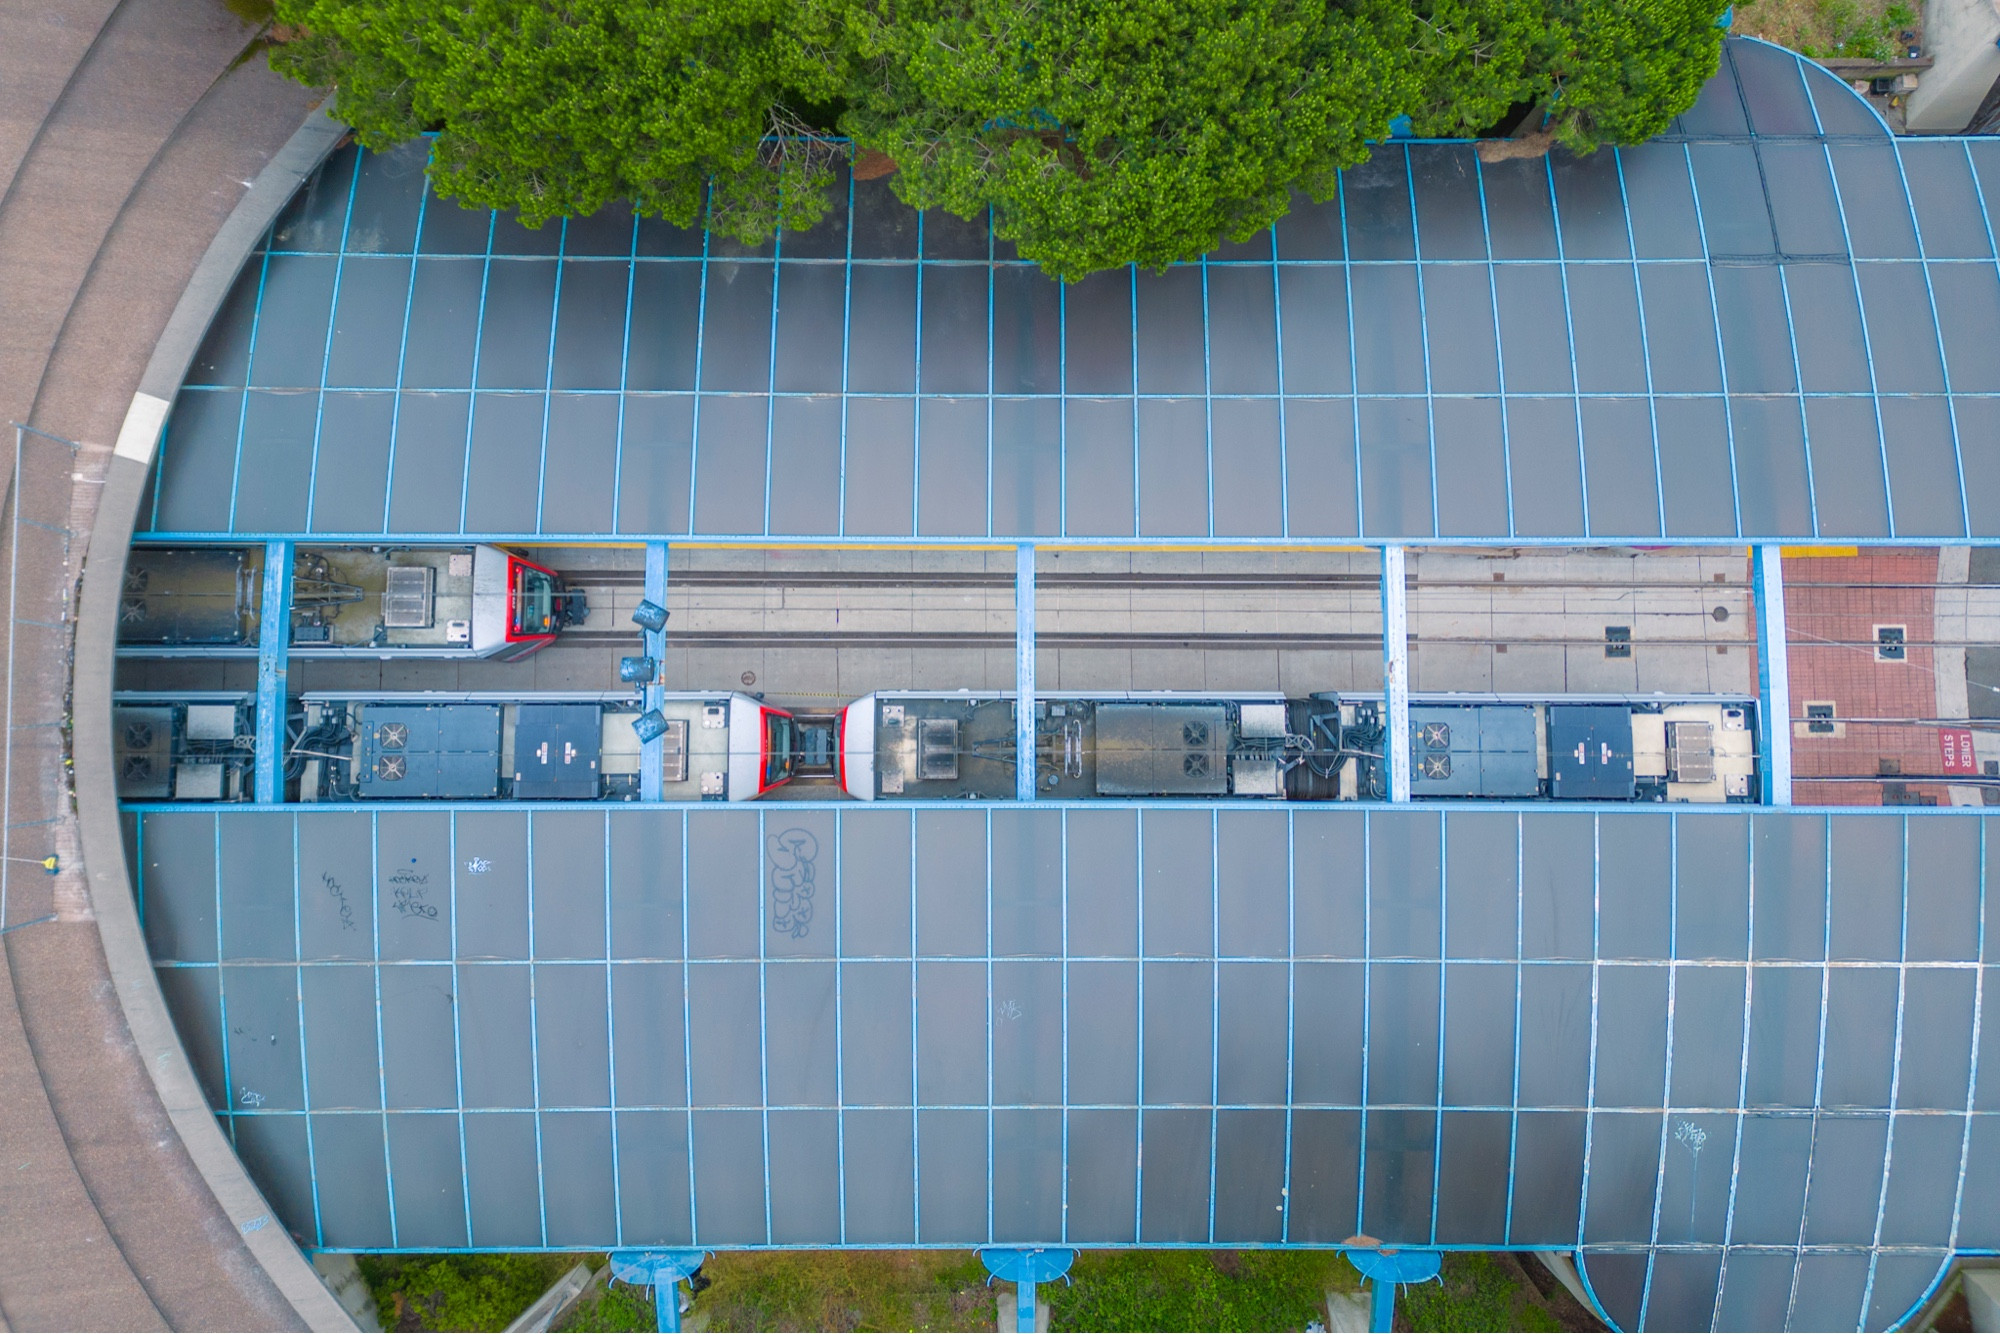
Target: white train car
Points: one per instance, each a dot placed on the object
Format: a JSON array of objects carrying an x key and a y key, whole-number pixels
[
  {"x": 491, "y": 746},
  {"x": 470, "y": 601},
  {"x": 943, "y": 746}
]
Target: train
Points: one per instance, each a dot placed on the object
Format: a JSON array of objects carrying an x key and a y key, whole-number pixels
[
  {"x": 549, "y": 747},
  {"x": 470, "y": 601},
  {"x": 941, "y": 746}
]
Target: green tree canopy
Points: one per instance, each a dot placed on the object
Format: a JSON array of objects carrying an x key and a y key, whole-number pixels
[
  {"x": 1597, "y": 71},
  {"x": 557, "y": 107},
  {"x": 1111, "y": 131},
  {"x": 1100, "y": 132}
]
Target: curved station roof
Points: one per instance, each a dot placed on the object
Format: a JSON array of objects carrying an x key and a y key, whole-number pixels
[
  {"x": 1776, "y": 321},
  {"x": 1707, "y": 1049},
  {"x": 1743, "y": 1062}
]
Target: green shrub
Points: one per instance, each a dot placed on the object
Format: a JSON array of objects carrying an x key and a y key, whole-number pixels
[
  {"x": 616, "y": 1308},
  {"x": 458, "y": 1292},
  {"x": 1850, "y": 31}
]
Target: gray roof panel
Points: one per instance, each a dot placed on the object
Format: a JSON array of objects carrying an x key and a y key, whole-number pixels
[
  {"x": 970, "y": 364},
  {"x": 512, "y": 1054}
]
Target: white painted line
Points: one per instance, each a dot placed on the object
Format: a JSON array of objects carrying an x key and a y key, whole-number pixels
[{"x": 140, "y": 435}]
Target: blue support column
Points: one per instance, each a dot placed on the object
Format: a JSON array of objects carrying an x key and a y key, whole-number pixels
[
  {"x": 662, "y": 1271},
  {"x": 1381, "y": 1305},
  {"x": 1395, "y": 675},
  {"x": 1024, "y": 672},
  {"x": 274, "y": 642},
  {"x": 656, "y": 649},
  {"x": 1024, "y": 1269},
  {"x": 1386, "y": 1267},
  {"x": 1774, "y": 677}
]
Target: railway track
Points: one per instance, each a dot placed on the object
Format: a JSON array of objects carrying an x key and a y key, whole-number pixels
[
  {"x": 786, "y": 639},
  {"x": 1206, "y": 581},
  {"x": 789, "y": 639}
]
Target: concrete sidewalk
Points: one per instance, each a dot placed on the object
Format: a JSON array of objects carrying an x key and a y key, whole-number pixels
[{"x": 126, "y": 139}]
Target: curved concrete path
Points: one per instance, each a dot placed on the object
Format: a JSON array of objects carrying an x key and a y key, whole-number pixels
[{"x": 129, "y": 136}]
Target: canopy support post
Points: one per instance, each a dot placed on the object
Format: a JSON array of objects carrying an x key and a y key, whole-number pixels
[
  {"x": 662, "y": 1271},
  {"x": 1384, "y": 1267},
  {"x": 656, "y": 649},
  {"x": 1024, "y": 672},
  {"x": 1395, "y": 675},
  {"x": 1024, "y": 1268},
  {"x": 1774, "y": 677},
  {"x": 274, "y": 643}
]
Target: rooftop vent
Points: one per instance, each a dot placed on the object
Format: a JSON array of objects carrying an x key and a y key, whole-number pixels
[
  {"x": 407, "y": 598},
  {"x": 937, "y": 750}
]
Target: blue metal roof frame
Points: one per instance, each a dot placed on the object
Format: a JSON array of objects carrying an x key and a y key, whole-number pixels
[
  {"x": 1774, "y": 322},
  {"x": 1744, "y": 1063}
]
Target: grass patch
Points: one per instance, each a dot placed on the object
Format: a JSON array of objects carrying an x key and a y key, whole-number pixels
[
  {"x": 1826, "y": 29},
  {"x": 1475, "y": 1291},
  {"x": 459, "y": 1292},
  {"x": 1197, "y": 1290},
  {"x": 851, "y": 1290},
  {"x": 946, "y": 1290},
  {"x": 834, "y": 1290}
]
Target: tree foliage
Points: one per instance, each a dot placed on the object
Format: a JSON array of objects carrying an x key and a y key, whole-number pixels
[
  {"x": 557, "y": 107},
  {"x": 1617, "y": 72},
  {"x": 1588, "y": 72},
  {"x": 1108, "y": 131},
  {"x": 1100, "y": 132}
]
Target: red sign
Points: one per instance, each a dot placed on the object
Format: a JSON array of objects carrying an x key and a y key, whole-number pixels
[{"x": 1955, "y": 747}]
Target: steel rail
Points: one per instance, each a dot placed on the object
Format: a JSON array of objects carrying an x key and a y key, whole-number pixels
[
  {"x": 1120, "y": 579},
  {"x": 998, "y": 639}
]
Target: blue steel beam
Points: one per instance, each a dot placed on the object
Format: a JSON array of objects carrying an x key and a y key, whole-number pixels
[
  {"x": 1774, "y": 682},
  {"x": 1395, "y": 674},
  {"x": 274, "y": 641},
  {"x": 656, "y": 649},
  {"x": 1024, "y": 672}
]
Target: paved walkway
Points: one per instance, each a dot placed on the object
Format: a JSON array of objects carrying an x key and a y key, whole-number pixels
[{"x": 125, "y": 139}]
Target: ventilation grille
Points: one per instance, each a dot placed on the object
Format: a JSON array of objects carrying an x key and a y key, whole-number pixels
[
  {"x": 937, "y": 750},
  {"x": 406, "y": 601}
]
